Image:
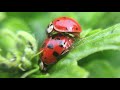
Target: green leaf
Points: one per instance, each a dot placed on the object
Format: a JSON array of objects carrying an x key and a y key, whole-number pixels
[
  {"x": 101, "y": 68},
  {"x": 68, "y": 70},
  {"x": 107, "y": 65}
]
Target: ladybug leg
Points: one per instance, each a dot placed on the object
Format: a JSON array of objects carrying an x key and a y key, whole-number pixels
[
  {"x": 71, "y": 35},
  {"x": 64, "y": 52},
  {"x": 77, "y": 35},
  {"x": 71, "y": 47}
]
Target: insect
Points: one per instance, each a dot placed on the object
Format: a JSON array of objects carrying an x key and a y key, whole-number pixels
[
  {"x": 53, "y": 48},
  {"x": 64, "y": 25}
]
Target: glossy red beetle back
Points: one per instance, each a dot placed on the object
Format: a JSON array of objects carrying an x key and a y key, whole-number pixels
[
  {"x": 55, "y": 47},
  {"x": 66, "y": 24}
]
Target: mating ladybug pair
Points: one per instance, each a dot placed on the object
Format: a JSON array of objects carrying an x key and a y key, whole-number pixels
[{"x": 61, "y": 33}]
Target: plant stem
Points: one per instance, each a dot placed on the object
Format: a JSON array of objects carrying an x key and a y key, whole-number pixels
[{"x": 30, "y": 72}]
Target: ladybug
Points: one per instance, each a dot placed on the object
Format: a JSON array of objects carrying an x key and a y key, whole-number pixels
[
  {"x": 65, "y": 25},
  {"x": 53, "y": 47}
]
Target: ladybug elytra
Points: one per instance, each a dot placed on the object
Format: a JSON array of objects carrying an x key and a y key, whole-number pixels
[
  {"x": 54, "y": 47},
  {"x": 64, "y": 25}
]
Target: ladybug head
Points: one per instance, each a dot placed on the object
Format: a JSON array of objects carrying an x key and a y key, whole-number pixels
[{"x": 50, "y": 28}]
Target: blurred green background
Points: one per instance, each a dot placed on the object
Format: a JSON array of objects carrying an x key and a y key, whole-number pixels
[{"x": 100, "y": 64}]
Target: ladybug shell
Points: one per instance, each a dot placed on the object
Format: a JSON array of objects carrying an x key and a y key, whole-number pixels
[
  {"x": 66, "y": 24},
  {"x": 55, "y": 47}
]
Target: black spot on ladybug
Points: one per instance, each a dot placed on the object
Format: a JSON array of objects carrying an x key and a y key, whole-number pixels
[
  {"x": 61, "y": 44},
  {"x": 45, "y": 58},
  {"x": 55, "y": 54},
  {"x": 64, "y": 17},
  {"x": 50, "y": 46},
  {"x": 76, "y": 28}
]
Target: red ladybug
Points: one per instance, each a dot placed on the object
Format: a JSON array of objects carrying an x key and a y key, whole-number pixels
[
  {"x": 53, "y": 48},
  {"x": 65, "y": 25}
]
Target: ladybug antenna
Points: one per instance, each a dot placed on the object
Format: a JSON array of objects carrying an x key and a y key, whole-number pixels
[{"x": 36, "y": 54}]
